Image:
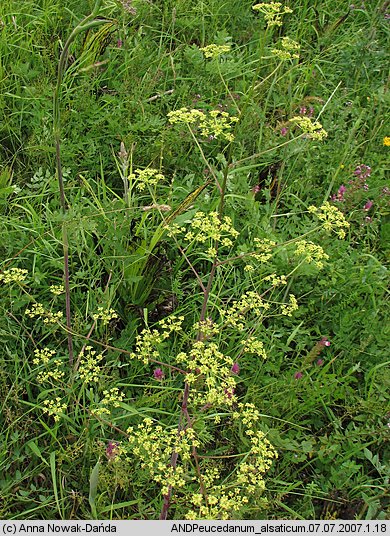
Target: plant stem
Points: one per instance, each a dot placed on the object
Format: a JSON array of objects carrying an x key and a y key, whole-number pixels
[{"x": 85, "y": 24}]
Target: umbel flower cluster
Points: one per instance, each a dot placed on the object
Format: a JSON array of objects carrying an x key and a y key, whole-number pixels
[
  {"x": 14, "y": 275},
  {"x": 105, "y": 315},
  {"x": 311, "y": 253},
  {"x": 208, "y": 492},
  {"x": 273, "y": 12},
  {"x": 144, "y": 178},
  {"x": 48, "y": 317},
  {"x": 208, "y": 229},
  {"x": 152, "y": 446},
  {"x": 213, "y": 51},
  {"x": 312, "y": 129},
  {"x": 289, "y": 49},
  {"x": 331, "y": 218},
  {"x": 215, "y": 124}
]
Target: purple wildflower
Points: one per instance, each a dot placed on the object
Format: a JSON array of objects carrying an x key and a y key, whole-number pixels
[
  {"x": 368, "y": 205},
  {"x": 340, "y": 194},
  {"x": 324, "y": 342},
  {"x": 362, "y": 171},
  {"x": 235, "y": 368},
  {"x": 320, "y": 362},
  {"x": 158, "y": 374},
  {"x": 284, "y": 131},
  {"x": 298, "y": 375},
  {"x": 112, "y": 450}
]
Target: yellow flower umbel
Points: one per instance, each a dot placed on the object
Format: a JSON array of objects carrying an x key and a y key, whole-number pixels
[
  {"x": 89, "y": 369},
  {"x": 13, "y": 275},
  {"x": 206, "y": 228},
  {"x": 224, "y": 498},
  {"x": 152, "y": 445},
  {"x": 215, "y": 124},
  {"x": 289, "y": 49},
  {"x": 312, "y": 129},
  {"x": 54, "y": 407},
  {"x": 106, "y": 315},
  {"x": 273, "y": 12},
  {"x": 38, "y": 310},
  {"x": 143, "y": 178},
  {"x": 311, "y": 253},
  {"x": 287, "y": 309},
  {"x": 254, "y": 346},
  {"x": 57, "y": 289},
  {"x": 111, "y": 399},
  {"x": 209, "y": 373},
  {"x": 386, "y": 141},
  {"x": 213, "y": 51},
  {"x": 148, "y": 340},
  {"x": 43, "y": 357},
  {"x": 249, "y": 303},
  {"x": 331, "y": 217}
]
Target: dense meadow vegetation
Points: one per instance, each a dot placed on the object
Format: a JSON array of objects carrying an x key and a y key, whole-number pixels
[{"x": 194, "y": 235}]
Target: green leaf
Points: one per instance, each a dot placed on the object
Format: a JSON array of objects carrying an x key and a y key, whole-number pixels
[{"x": 93, "y": 485}]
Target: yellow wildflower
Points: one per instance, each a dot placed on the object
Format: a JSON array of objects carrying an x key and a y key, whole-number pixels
[{"x": 213, "y": 51}]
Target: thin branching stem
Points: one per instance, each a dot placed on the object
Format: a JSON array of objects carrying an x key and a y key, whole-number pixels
[{"x": 86, "y": 24}]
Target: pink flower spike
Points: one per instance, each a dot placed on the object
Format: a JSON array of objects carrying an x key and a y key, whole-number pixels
[
  {"x": 342, "y": 190},
  {"x": 324, "y": 342},
  {"x": 368, "y": 205},
  {"x": 119, "y": 43},
  {"x": 284, "y": 131},
  {"x": 320, "y": 362},
  {"x": 235, "y": 368},
  {"x": 362, "y": 171},
  {"x": 112, "y": 450},
  {"x": 298, "y": 375},
  {"x": 158, "y": 374}
]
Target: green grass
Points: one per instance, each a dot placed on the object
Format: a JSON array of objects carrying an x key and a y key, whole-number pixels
[{"x": 328, "y": 420}]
